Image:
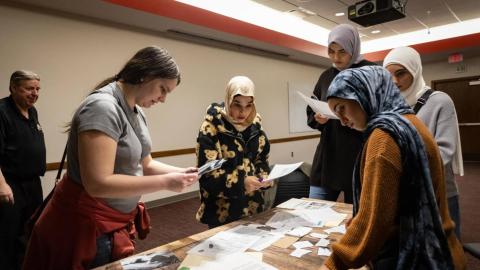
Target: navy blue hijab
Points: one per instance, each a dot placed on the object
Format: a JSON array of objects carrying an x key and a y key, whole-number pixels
[{"x": 422, "y": 241}]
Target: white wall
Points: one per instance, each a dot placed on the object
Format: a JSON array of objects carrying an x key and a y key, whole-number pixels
[{"x": 73, "y": 55}]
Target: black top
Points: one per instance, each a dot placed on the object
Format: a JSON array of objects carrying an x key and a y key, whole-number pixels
[
  {"x": 22, "y": 145},
  {"x": 339, "y": 146}
]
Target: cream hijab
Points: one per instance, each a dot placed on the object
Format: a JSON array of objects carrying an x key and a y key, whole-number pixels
[
  {"x": 239, "y": 85},
  {"x": 410, "y": 59},
  {"x": 348, "y": 38}
]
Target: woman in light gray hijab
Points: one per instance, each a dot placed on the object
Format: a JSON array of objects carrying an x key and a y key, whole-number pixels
[
  {"x": 438, "y": 113},
  {"x": 344, "y": 46},
  {"x": 334, "y": 159}
]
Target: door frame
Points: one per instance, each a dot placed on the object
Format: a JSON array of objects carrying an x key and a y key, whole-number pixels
[
  {"x": 435, "y": 83},
  {"x": 473, "y": 78}
]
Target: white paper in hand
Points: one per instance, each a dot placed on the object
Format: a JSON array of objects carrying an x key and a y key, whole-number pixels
[
  {"x": 318, "y": 106},
  {"x": 280, "y": 170},
  {"x": 210, "y": 166}
]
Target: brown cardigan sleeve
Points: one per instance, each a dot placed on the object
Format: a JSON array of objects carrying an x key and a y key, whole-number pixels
[{"x": 374, "y": 223}]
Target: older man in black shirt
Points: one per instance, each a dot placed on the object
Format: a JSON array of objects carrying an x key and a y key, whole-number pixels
[{"x": 22, "y": 162}]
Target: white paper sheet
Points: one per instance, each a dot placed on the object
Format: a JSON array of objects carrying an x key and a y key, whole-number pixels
[
  {"x": 339, "y": 229},
  {"x": 303, "y": 244},
  {"x": 295, "y": 203},
  {"x": 268, "y": 236},
  {"x": 299, "y": 231},
  {"x": 235, "y": 261},
  {"x": 280, "y": 170},
  {"x": 318, "y": 106},
  {"x": 319, "y": 235},
  {"x": 324, "y": 251},
  {"x": 322, "y": 243},
  {"x": 320, "y": 217},
  {"x": 228, "y": 242},
  {"x": 266, "y": 241},
  {"x": 285, "y": 221},
  {"x": 299, "y": 252}
]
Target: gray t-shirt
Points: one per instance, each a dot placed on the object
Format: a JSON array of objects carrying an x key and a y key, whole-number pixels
[{"x": 106, "y": 110}]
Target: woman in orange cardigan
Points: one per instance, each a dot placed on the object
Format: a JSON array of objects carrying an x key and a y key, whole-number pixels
[{"x": 401, "y": 218}]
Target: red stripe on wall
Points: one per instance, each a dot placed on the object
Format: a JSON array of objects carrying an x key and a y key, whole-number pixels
[
  {"x": 197, "y": 16},
  {"x": 190, "y": 14}
]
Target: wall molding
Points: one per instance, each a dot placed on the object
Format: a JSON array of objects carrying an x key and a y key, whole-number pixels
[{"x": 186, "y": 151}]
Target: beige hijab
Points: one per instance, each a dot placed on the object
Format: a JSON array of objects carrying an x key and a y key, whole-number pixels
[
  {"x": 410, "y": 59},
  {"x": 239, "y": 85}
]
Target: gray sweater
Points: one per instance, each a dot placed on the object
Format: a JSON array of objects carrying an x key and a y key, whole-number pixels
[{"x": 439, "y": 115}]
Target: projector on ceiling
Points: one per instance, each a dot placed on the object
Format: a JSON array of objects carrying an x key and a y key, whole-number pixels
[{"x": 372, "y": 12}]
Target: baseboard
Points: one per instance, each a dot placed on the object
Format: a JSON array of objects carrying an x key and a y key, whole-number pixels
[{"x": 172, "y": 199}]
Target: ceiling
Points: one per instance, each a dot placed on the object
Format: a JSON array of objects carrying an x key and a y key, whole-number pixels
[
  {"x": 181, "y": 21},
  {"x": 420, "y": 14}
]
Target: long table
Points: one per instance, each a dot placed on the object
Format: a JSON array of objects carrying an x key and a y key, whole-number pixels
[{"x": 275, "y": 256}]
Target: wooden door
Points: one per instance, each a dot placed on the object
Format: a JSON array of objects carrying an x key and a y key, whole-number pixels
[{"x": 465, "y": 93}]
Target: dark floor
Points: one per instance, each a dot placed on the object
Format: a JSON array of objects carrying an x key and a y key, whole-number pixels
[
  {"x": 469, "y": 186},
  {"x": 177, "y": 220},
  {"x": 171, "y": 222}
]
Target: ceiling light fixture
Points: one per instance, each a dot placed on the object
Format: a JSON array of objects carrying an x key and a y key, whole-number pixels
[
  {"x": 254, "y": 13},
  {"x": 375, "y": 31},
  {"x": 307, "y": 11},
  {"x": 339, "y": 14}
]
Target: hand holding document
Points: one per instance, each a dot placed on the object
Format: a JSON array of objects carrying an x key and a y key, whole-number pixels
[
  {"x": 280, "y": 170},
  {"x": 318, "y": 106},
  {"x": 210, "y": 166}
]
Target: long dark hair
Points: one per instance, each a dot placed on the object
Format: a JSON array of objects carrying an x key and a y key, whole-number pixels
[{"x": 148, "y": 63}]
